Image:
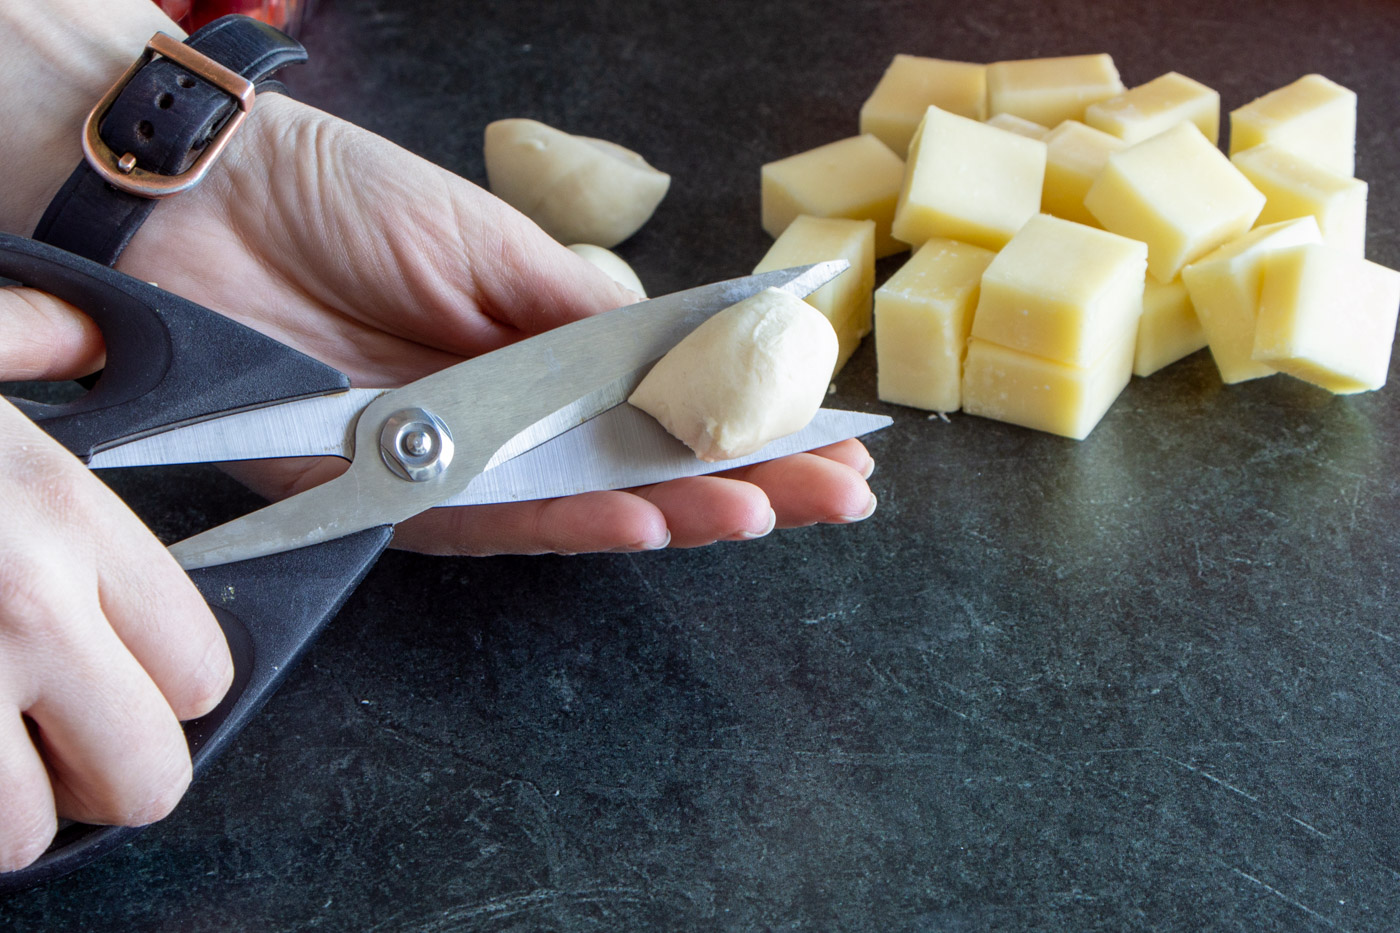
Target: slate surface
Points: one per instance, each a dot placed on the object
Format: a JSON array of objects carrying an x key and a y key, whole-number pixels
[{"x": 1146, "y": 681}]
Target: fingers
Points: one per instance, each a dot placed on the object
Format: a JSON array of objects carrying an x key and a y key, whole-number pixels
[
  {"x": 115, "y": 751},
  {"x": 701, "y": 510},
  {"x": 44, "y": 338},
  {"x": 28, "y": 798},
  {"x": 595, "y": 521},
  {"x": 809, "y": 488}
]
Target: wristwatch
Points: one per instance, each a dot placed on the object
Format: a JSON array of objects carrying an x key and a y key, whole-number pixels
[{"x": 160, "y": 128}]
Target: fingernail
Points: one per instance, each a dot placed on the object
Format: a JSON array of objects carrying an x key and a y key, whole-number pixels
[
  {"x": 869, "y": 511},
  {"x": 656, "y": 545},
  {"x": 869, "y": 469},
  {"x": 767, "y": 529}
]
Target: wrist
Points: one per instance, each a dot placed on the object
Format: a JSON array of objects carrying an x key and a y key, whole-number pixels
[{"x": 72, "y": 51}]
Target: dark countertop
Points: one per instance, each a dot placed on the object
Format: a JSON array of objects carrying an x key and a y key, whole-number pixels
[{"x": 1146, "y": 681}]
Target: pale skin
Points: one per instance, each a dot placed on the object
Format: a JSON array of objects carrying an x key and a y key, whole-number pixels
[{"x": 104, "y": 643}]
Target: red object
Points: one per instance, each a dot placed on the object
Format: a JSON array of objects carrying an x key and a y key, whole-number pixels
[{"x": 286, "y": 15}]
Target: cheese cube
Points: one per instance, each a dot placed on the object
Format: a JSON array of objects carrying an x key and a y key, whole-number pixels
[
  {"x": 1049, "y": 91},
  {"x": 1018, "y": 125},
  {"x": 910, "y": 86},
  {"x": 1169, "y": 329},
  {"x": 1224, "y": 289},
  {"x": 1043, "y": 394},
  {"x": 1062, "y": 291},
  {"x": 846, "y": 299},
  {"x": 1327, "y": 317},
  {"x": 856, "y": 178},
  {"x": 1158, "y": 105},
  {"x": 967, "y": 181},
  {"x": 1178, "y": 194},
  {"x": 923, "y": 315},
  {"x": 1075, "y": 154},
  {"x": 1294, "y": 187},
  {"x": 1314, "y": 117}
]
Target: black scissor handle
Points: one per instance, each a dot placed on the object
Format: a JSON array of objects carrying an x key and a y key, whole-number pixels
[{"x": 169, "y": 361}]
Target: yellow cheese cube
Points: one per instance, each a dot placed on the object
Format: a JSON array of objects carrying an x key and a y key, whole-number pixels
[
  {"x": 1314, "y": 117},
  {"x": 846, "y": 299},
  {"x": 1327, "y": 317},
  {"x": 1061, "y": 290},
  {"x": 1178, "y": 194},
  {"x": 1075, "y": 154},
  {"x": 1295, "y": 187},
  {"x": 1035, "y": 392},
  {"x": 922, "y": 318},
  {"x": 856, "y": 178},
  {"x": 1169, "y": 329},
  {"x": 1018, "y": 125},
  {"x": 1049, "y": 91},
  {"x": 910, "y": 86},
  {"x": 967, "y": 181},
  {"x": 1224, "y": 287},
  {"x": 1158, "y": 105}
]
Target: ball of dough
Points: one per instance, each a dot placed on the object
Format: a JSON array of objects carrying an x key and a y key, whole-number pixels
[
  {"x": 613, "y": 265},
  {"x": 754, "y": 372},
  {"x": 578, "y": 189}
]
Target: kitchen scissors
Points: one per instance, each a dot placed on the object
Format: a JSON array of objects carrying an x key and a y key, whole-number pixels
[{"x": 540, "y": 418}]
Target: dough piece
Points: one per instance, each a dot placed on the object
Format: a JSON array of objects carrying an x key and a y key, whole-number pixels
[
  {"x": 1062, "y": 290},
  {"x": 846, "y": 299},
  {"x": 1294, "y": 187},
  {"x": 1225, "y": 287},
  {"x": 1178, "y": 194},
  {"x": 1018, "y": 125},
  {"x": 968, "y": 181},
  {"x": 1075, "y": 155},
  {"x": 1029, "y": 390},
  {"x": 856, "y": 178},
  {"x": 578, "y": 189},
  {"x": 1169, "y": 329},
  {"x": 910, "y": 86},
  {"x": 923, "y": 315},
  {"x": 1314, "y": 117},
  {"x": 613, "y": 265},
  {"x": 753, "y": 373},
  {"x": 1158, "y": 105},
  {"x": 1049, "y": 91},
  {"x": 1327, "y": 317}
]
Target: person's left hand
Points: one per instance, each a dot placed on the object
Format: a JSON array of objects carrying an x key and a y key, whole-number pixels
[{"x": 339, "y": 243}]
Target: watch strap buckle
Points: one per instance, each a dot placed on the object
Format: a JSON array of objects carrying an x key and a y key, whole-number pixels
[{"x": 120, "y": 170}]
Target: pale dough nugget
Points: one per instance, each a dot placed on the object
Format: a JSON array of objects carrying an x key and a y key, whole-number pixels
[
  {"x": 578, "y": 189},
  {"x": 610, "y": 264},
  {"x": 753, "y": 373}
]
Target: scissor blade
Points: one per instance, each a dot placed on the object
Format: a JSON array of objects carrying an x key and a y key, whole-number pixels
[
  {"x": 625, "y": 447},
  {"x": 311, "y": 427},
  {"x": 513, "y": 398}
]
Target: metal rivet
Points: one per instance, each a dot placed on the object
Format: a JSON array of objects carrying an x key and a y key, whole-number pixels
[{"x": 415, "y": 444}]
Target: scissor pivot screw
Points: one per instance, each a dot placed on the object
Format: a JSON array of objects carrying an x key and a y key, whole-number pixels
[{"x": 415, "y": 444}]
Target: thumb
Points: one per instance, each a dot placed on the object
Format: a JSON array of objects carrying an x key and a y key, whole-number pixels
[{"x": 44, "y": 338}]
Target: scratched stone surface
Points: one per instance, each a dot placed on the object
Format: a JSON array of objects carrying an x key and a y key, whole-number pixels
[{"x": 1143, "y": 682}]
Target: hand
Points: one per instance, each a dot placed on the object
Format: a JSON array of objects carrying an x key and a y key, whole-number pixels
[
  {"x": 104, "y": 642},
  {"x": 338, "y": 243}
]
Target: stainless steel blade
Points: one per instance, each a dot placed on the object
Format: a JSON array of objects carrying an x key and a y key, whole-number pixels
[
  {"x": 311, "y": 427},
  {"x": 547, "y": 384},
  {"x": 625, "y": 447}
]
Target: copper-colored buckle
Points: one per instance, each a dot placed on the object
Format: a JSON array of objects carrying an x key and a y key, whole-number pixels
[{"x": 121, "y": 172}]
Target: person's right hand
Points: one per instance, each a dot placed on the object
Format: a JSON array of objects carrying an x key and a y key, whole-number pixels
[{"x": 104, "y": 642}]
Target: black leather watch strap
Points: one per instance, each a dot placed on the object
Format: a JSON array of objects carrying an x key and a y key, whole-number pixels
[{"x": 164, "y": 118}]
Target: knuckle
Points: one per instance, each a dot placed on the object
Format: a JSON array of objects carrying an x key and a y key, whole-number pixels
[
  {"x": 161, "y": 793},
  {"x": 206, "y": 684},
  {"x": 20, "y": 845}
]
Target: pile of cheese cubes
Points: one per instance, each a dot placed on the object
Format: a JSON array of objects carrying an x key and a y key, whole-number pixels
[{"x": 1067, "y": 233}]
